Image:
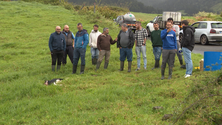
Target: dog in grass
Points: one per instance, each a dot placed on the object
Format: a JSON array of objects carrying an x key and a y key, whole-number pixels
[{"x": 53, "y": 81}]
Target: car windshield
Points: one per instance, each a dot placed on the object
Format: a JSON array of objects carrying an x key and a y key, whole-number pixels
[{"x": 216, "y": 25}]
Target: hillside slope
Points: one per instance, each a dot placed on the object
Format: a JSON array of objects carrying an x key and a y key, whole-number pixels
[
  {"x": 189, "y": 6},
  {"x": 102, "y": 97},
  {"x": 133, "y": 5}
]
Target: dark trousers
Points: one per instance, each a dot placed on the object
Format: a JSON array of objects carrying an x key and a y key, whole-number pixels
[
  {"x": 57, "y": 55},
  {"x": 79, "y": 53},
  {"x": 168, "y": 55},
  {"x": 69, "y": 52},
  {"x": 126, "y": 53}
]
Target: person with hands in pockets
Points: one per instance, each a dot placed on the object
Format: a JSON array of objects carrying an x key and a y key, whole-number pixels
[
  {"x": 81, "y": 42},
  {"x": 57, "y": 46}
]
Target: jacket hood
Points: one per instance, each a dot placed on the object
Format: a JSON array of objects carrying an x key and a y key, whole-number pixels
[
  {"x": 94, "y": 31},
  {"x": 190, "y": 27},
  {"x": 83, "y": 31}
]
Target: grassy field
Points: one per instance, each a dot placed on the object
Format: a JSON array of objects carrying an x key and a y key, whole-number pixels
[{"x": 102, "y": 97}]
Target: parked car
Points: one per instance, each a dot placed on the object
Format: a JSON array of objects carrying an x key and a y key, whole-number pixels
[
  {"x": 206, "y": 32},
  {"x": 129, "y": 19},
  {"x": 161, "y": 20}
]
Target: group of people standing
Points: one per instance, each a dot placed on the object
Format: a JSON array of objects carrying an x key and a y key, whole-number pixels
[{"x": 63, "y": 43}]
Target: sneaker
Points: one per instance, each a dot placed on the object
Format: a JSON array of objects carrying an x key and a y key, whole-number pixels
[
  {"x": 187, "y": 76},
  {"x": 137, "y": 69},
  {"x": 144, "y": 68}
]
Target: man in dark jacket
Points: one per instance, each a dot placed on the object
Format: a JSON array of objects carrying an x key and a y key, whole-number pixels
[
  {"x": 57, "y": 46},
  {"x": 125, "y": 42},
  {"x": 69, "y": 44},
  {"x": 81, "y": 42},
  {"x": 188, "y": 44}
]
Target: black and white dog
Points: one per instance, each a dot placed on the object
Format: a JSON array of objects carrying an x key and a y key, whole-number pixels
[{"x": 53, "y": 81}]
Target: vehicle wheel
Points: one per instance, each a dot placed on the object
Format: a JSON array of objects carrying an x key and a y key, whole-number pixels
[
  {"x": 148, "y": 31},
  {"x": 204, "y": 40},
  {"x": 180, "y": 37}
]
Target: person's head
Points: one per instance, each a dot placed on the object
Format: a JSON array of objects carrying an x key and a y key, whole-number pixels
[
  {"x": 170, "y": 20},
  {"x": 156, "y": 26},
  {"x": 138, "y": 24},
  {"x": 106, "y": 31},
  {"x": 79, "y": 26},
  {"x": 95, "y": 28},
  {"x": 58, "y": 29},
  {"x": 184, "y": 23},
  {"x": 124, "y": 27},
  {"x": 169, "y": 25},
  {"x": 66, "y": 28}
]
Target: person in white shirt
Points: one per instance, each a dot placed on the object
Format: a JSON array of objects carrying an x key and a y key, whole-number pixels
[
  {"x": 93, "y": 43},
  {"x": 176, "y": 29}
]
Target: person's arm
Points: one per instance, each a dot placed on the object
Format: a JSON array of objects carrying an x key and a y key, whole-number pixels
[
  {"x": 90, "y": 39},
  {"x": 112, "y": 41},
  {"x": 98, "y": 44},
  {"x": 177, "y": 28},
  {"x": 175, "y": 42},
  {"x": 50, "y": 43},
  {"x": 118, "y": 41},
  {"x": 73, "y": 42},
  {"x": 86, "y": 40},
  {"x": 163, "y": 34},
  {"x": 151, "y": 36},
  {"x": 132, "y": 40},
  {"x": 64, "y": 43}
]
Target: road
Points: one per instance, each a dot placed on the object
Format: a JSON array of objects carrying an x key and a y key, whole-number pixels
[{"x": 211, "y": 47}]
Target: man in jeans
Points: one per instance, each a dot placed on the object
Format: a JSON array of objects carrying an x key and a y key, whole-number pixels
[
  {"x": 157, "y": 44},
  {"x": 57, "y": 46},
  {"x": 81, "y": 41},
  {"x": 141, "y": 36},
  {"x": 188, "y": 44},
  {"x": 169, "y": 39},
  {"x": 103, "y": 45},
  {"x": 176, "y": 29},
  {"x": 93, "y": 36},
  {"x": 125, "y": 42},
  {"x": 69, "y": 44}
]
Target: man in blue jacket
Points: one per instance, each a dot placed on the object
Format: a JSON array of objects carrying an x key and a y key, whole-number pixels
[
  {"x": 57, "y": 46},
  {"x": 81, "y": 42},
  {"x": 169, "y": 39}
]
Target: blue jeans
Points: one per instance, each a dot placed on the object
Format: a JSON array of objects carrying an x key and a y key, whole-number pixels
[
  {"x": 157, "y": 51},
  {"x": 142, "y": 50},
  {"x": 79, "y": 53},
  {"x": 126, "y": 52},
  {"x": 188, "y": 61},
  {"x": 95, "y": 53}
]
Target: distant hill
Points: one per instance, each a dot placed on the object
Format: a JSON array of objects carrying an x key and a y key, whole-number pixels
[
  {"x": 187, "y": 6},
  {"x": 133, "y": 5}
]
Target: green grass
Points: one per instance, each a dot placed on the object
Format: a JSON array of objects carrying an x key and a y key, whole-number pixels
[{"x": 102, "y": 97}]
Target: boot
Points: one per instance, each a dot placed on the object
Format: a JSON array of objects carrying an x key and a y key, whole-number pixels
[
  {"x": 170, "y": 73},
  {"x": 129, "y": 66},
  {"x": 74, "y": 69},
  {"x": 58, "y": 67},
  {"x": 181, "y": 62},
  {"x": 121, "y": 66},
  {"x": 106, "y": 65},
  {"x": 158, "y": 64},
  {"x": 162, "y": 74},
  {"x": 53, "y": 68},
  {"x": 82, "y": 69},
  {"x": 95, "y": 61},
  {"x": 98, "y": 65}
]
